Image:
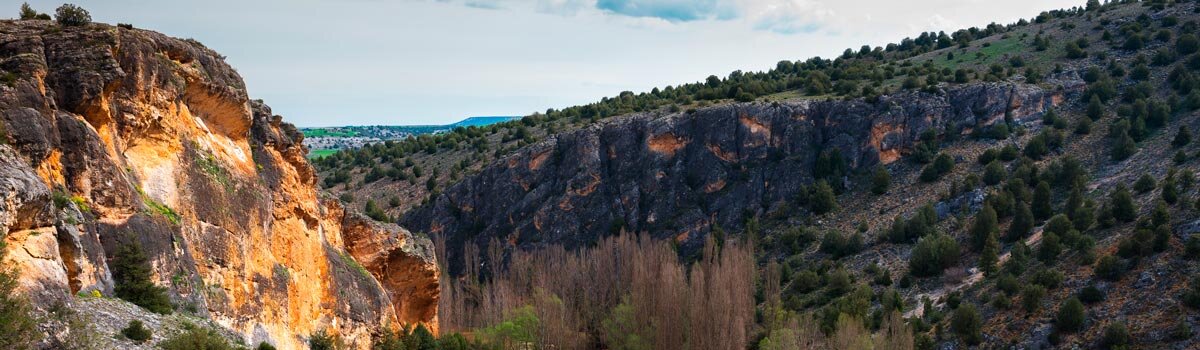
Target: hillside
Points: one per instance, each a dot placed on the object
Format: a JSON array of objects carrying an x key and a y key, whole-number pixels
[
  {"x": 134, "y": 168},
  {"x": 1027, "y": 185}
]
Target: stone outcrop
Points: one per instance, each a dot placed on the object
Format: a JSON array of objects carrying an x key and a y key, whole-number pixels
[
  {"x": 110, "y": 136},
  {"x": 678, "y": 175}
]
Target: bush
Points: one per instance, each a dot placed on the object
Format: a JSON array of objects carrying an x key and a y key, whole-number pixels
[
  {"x": 18, "y": 329},
  {"x": 1091, "y": 295},
  {"x": 196, "y": 338},
  {"x": 1109, "y": 268},
  {"x": 1115, "y": 336},
  {"x": 932, "y": 254},
  {"x": 1144, "y": 184},
  {"x": 881, "y": 180},
  {"x": 70, "y": 15},
  {"x": 1031, "y": 297},
  {"x": 967, "y": 324},
  {"x": 322, "y": 341},
  {"x": 1070, "y": 316},
  {"x": 941, "y": 165},
  {"x": 823, "y": 200},
  {"x": 265, "y": 346},
  {"x": 136, "y": 331},
  {"x": 1122, "y": 206},
  {"x": 838, "y": 245},
  {"x": 131, "y": 274},
  {"x": 994, "y": 173}
]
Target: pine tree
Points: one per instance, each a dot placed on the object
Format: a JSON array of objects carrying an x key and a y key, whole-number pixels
[
  {"x": 1041, "y": 202},
  {"x": 1022, "y": 223},
  {"x": 27, "y": 12},
  {"x": 990, "y": 255},
  {"x": 984, "y": 227},
  {"x": 131, "y": 274}
]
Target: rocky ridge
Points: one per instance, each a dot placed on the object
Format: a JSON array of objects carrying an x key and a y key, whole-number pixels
[{"x": 112, "y": 136}]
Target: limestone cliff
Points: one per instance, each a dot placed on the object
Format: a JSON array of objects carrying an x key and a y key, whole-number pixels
[
  {"x": 678, "y": 175},
  {"x": 111, "y": 135}
]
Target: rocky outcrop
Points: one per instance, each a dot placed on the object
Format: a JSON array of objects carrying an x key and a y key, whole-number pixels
[
  {"x": 677, "y": 176},
  {"x": 110, "y": 136}
]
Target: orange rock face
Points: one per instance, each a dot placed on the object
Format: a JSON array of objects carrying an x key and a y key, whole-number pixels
[{"x": 117, "y": 136}]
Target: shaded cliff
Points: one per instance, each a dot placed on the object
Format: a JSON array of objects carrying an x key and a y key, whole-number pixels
[
  {"x": 110, "y": 136},
  {"x": 679, "y": 175}
]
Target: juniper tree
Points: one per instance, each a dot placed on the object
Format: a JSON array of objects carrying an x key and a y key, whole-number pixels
[
  {"x": 984, "y": 227},
  {"x": 131, "y": 274}
]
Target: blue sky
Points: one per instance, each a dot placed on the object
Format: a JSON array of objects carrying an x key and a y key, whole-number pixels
[{"x": 348, "y": 62}]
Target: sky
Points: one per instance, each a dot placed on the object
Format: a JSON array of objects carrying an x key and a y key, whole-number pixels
[{"x": 395, "y": 62}]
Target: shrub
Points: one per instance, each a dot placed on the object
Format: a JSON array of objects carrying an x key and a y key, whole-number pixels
[
  {"x": 265, "y": 346},
  {"x": 70, "y": 15},
  {"x": 322, "y": 341},
  {"x": 1182, "y": 137},
  {"x": 1008, "y": 284},
  {"x": 1144, "y": 184},
  {"x": 932, "y": 254},
  {"x": 131, "y": 274},
  {"x": 196, "y": 338},
  {"x": 823, "y": 200},
  {"x": 136, "y": 331},
  {"x": 838, "y": 245},
  {"x": 18, "y": 328},
  {"x": 881, "y": 179},
  {"x": 1070, "y": 316},
  {"x": 994, "y": 173},
  {"x": 941, "y": 165},
  {"x": 967, "y": 324},
  {"x": 1121, "y": 204},
  {"x": 1031, "y": 297},
  {"x": 1091, "y": 295},
  {"x": 1115, "y": 336},
  {"x": 1109, "y": 268}
]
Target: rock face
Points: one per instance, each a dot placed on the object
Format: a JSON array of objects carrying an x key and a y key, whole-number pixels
[
  {"x": 676, "y": 176},
  {"x": 110, "y": 136}
]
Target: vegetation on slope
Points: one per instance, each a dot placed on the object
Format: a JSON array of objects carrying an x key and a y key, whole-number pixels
[{"x": 1054, "y": 236}]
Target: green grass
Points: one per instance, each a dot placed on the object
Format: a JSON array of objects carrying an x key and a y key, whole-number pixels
[
  {"x": 320, "y": 153},
  {"x": 349, "y": 261},
  {"x": 161, "y": 209}
]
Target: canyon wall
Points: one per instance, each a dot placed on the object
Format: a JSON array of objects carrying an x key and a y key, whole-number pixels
[
  {"x": 110, "y": 136},
  {"x": 678, "y": 175}
]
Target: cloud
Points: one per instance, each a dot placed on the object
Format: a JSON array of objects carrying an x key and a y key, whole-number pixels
[
  {"x": 564, "y": 7},
  {"x": 779, "y": 16},
  {"x": 786, "y": 16},
  {"x": 670, "y": 10}
]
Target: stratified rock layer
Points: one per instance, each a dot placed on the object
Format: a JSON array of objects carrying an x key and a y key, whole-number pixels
[
  {"x": 676, "y": 176},
  {"x": 110, "y": 136}
]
